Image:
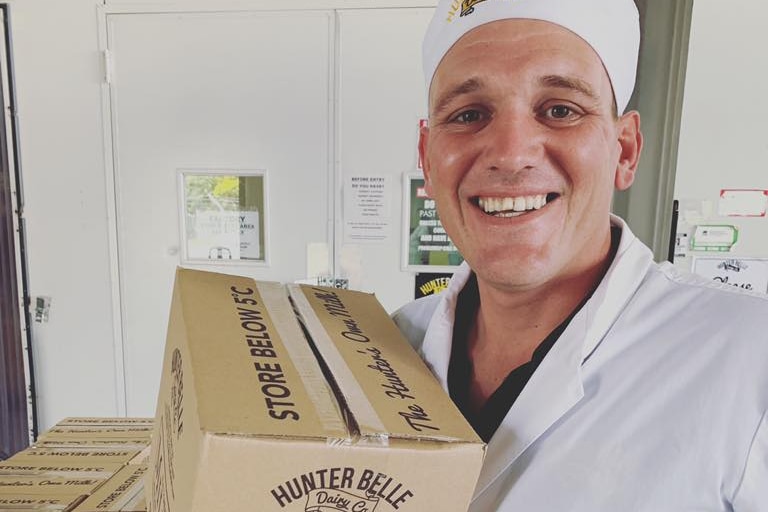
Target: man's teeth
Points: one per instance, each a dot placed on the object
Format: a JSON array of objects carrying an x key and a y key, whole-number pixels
[{"x": 511, "y": 206}]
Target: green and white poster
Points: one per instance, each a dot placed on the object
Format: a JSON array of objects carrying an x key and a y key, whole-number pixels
[{"x": 427, "y": 247}]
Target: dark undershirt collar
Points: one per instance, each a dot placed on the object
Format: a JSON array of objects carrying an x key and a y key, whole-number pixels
[{"x": 488, "y": 419}]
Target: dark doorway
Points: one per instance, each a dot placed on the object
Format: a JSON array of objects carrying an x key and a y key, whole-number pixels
[{"x": 15, "y": 422}]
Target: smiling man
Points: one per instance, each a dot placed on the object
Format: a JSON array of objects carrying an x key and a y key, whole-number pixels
[{"x": 601, "y": 380}]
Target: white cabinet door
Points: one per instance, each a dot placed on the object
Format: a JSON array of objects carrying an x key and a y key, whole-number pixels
[
  {"x": 212, "y": 91},
  {"x": 382, "y": 96}
]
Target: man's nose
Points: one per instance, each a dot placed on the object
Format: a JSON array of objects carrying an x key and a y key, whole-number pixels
[{"x": 513, "y": 142}]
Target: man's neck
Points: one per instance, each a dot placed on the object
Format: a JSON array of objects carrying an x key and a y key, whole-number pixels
[{"x": 509, "y": 326}]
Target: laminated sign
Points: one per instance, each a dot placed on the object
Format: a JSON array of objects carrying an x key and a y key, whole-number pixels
[{"x": 300, "y": 398}]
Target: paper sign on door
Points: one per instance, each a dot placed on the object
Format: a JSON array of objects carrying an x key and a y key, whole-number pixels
[{"x": 743, "y": 202}]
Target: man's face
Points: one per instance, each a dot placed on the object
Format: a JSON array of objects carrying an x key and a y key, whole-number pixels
[{"x": 523, "y": 150}]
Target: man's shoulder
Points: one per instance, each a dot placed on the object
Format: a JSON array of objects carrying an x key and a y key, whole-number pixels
[
  {"x": 710, "y": 289},
  {"x": 413, "y": 318},
  {"x": 691, "y": 298}
]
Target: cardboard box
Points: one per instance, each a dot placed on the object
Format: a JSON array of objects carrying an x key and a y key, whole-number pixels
[
  {"x": 252, "y": 416},
  {"x": 107, "y": 444},
  {"x": 89, "y": 455},
  {"x": 27, "y": 503},
  {"x": 113, "y": 421},
  {"x": 43, "y": 467},
  {"x": 99, "y": 432},
  {"x": 121, "y": 493},
  {"x": 14, "y": 485},
  {"x": 88, "y": 460}
]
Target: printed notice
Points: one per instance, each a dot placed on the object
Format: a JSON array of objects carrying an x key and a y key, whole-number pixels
[
  {"x": 223, "y": 216},
  {"x": 367, "y": 209},
  {"x": 250, "y": 248},
  {"x": 745, "y": 273},
  {"x": 428, "y": 245}
]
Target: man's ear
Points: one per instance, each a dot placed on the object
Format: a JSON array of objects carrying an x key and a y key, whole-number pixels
[
  {"x": 425, "y": 167},
  {"x": 630, "y": 144}
]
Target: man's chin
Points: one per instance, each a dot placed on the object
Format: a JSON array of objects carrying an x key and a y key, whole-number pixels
[{"x": 510, "y": 273}]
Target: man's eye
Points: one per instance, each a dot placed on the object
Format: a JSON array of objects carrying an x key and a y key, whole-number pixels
[
  {"x": 560, "y": 111},
  {"x": 468, "y": 116}
]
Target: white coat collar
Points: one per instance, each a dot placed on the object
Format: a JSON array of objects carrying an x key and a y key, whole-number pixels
[{"x": 556, "y": 386}]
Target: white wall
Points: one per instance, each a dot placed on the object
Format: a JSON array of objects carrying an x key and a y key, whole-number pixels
[
  {"x": 58, "y": 76},
  {"x": 723, "y": 141}
]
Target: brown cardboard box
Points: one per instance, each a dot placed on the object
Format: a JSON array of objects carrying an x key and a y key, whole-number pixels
[
  {"x": 43, "y": 467},
  {"x": 14, "y": 485},
  {"x": 119, "y": 494},
  {"x": 56, "y": 442},
  {"x": 99, "y": 432},
  {"x": 249, "y": 418},
  {"x": 27, "y": 503},
  {"x": 88, "y": 460},
  {"x": 90, "y": 455},
  {"x": 113, "y": 421}
]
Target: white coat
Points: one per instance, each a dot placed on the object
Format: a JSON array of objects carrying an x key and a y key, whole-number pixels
[{"x": 654, "y": 398}]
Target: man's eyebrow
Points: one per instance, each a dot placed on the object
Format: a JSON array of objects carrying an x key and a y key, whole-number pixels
[
  {"x": 569, "y": 82},
  {"x": 465, "y": 87}
]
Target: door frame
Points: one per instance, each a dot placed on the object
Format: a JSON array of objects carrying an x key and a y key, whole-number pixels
[{"x": 18, "y": 411}]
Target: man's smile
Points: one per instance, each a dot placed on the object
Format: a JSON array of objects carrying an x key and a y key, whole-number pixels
[{"x": 514, "y": 206}]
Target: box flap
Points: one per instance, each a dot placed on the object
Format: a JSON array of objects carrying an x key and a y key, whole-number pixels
[
  {"x": 385, "y": 384},
  {"x": 253, "y": 371}
]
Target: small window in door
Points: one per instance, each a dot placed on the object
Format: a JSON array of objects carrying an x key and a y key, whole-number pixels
[{"x": 223, "y": 216}]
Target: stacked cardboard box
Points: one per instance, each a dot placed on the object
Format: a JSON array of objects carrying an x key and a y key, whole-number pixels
[
  {"x": 300, "y": 399},
  {"x": 81, "y": 464}
]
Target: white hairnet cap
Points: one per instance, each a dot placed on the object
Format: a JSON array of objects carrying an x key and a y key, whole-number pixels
[{"x": 610, "y": 27}]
